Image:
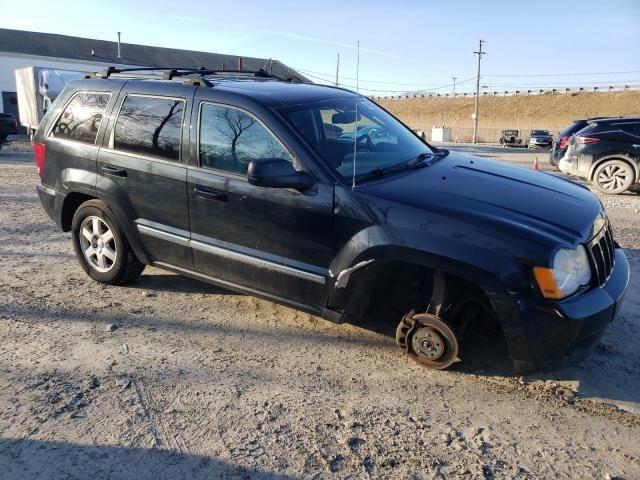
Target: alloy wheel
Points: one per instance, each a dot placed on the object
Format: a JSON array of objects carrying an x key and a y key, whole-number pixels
[
  {"x": 98, "y": 244},
  {"x": 614, "y": 178}
]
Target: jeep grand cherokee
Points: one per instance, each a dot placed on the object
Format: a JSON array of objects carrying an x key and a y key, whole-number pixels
[{"x": 275, "y": 189}]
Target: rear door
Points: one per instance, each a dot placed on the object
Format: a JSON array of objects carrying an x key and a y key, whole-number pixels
[
  {"x": 141, "y": 171},
  {"x": 270, "y": 240},
  {"x": 72, "y": 140}
]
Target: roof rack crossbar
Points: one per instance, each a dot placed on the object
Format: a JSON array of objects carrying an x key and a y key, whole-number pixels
[{"x": 170, "y": 72}]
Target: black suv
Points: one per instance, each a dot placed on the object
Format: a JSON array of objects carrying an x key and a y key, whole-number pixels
[
  {"x": 252, "y": 183},
  {"x": 561, "y": 141},
  {"x": 606, "y": 152}
]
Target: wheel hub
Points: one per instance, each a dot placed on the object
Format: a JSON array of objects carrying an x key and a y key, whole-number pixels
[
  {"x": 428, "y": 343},
  {"x": 428, "y": 340}
]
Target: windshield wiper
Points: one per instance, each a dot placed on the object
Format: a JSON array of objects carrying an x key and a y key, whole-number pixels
[
  {"x": 419, "y": 159},
  {"x": 416, "y": 162}
]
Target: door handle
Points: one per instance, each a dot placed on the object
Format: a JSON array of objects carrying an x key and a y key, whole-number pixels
[
  {"x": 114, "y": 171},
  {"x": 210, "y": 194}
]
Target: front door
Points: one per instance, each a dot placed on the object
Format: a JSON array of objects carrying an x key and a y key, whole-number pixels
[
  {"x": 270, "y": 240},
  {"x": 141, "y": 171}
]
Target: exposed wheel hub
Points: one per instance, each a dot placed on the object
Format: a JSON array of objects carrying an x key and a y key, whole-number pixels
[
  {"x": 428, "y": 343},
  {"x": 428, "y": 340}
]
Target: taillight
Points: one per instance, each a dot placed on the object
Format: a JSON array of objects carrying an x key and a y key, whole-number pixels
[
  {"x": 564, "y": 140},
  {"x": 38, "y": 152},
  {"x": 587, "y": 140}
]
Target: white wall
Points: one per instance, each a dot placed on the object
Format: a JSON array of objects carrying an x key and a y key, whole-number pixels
[{"x": 10, "y": 61}]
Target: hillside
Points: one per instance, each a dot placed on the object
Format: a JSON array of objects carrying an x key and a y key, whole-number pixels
[{"x": 551, "y": 112}]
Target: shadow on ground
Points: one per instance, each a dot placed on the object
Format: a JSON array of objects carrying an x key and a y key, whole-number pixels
[{"x": 35, "y": 459}]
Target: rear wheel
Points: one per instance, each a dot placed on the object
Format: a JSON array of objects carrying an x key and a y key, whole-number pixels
[
  {"x": 101, "y": 247},
  {"x": 613, "y": 177}
]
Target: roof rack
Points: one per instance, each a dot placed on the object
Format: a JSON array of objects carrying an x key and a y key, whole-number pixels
[{"x": 190, "y": 75}]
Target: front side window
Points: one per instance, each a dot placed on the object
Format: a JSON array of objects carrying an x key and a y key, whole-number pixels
[
  {"x": 150, "y": 126},
  {"x": 231, "y": 138},
  {"x": 81, "y": 118},
  {"x": 336, "y": 129}
]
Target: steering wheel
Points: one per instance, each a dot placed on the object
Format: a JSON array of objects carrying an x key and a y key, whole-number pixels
[{"x": 366, "y": 139}]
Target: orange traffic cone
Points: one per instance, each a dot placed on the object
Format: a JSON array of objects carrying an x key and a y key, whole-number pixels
[{"x": 535, "y": 164}]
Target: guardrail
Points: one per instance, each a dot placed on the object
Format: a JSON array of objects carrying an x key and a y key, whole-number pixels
[{"x": 512, "y": 93}]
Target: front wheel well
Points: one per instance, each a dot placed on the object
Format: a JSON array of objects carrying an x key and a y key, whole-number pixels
[
  {"x": 71, "y": 203},
  {"x": 385, "y": 291}
]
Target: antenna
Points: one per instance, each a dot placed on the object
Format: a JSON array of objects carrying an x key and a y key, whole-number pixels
[
  {"x": 355, "y": 131},
  {"x": 119, "y": 56}
]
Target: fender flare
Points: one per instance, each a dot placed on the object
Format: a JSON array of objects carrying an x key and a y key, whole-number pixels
[
  {"x": 351, "y": 268},
  {"x": 68, "y": 185}
]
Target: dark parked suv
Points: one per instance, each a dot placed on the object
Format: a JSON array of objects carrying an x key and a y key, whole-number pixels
[
  {"x": 561, "y": 141},
  {"x": 606, "y": 152},
  {"x": 241, "y": 180},
  {"x": 8, "y": 126}
]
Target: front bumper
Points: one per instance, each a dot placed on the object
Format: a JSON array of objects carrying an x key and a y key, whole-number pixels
[
  {"x": 550, "y": 336},
  {"x": 540, "y": 143}
]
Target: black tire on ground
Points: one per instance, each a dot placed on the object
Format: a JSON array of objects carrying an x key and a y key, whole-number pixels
[
  {"x": 94, "y": 229},
  {"x": 613, "y": 177}
]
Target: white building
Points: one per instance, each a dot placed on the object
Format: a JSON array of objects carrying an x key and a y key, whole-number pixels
[{"x": 24, "y": 49}]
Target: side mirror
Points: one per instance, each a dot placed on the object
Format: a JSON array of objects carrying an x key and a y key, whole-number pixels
[{"x": 277, "y": 173}]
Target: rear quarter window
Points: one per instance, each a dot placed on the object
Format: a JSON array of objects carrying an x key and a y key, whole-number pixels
[
  {"x": 81, "y": 118},
  {"x": 632, "y": 128},
  {"x": 150, "y": 126}
]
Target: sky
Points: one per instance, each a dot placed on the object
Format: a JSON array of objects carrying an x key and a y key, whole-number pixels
[{"x": 405, "y": 45}]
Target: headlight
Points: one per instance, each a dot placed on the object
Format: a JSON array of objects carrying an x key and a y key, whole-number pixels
[{"x": 570, "y": 271}]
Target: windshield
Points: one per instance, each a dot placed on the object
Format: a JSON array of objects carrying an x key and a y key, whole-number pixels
[
  {"x": 540, "y": 132},
  {"x": 331, "y": 127}
]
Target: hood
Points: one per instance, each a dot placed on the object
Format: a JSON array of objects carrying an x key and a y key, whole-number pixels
[{"x": 532, "y": 202}]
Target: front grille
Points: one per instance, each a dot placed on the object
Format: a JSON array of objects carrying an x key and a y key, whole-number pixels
[{"x": 601, "y": 255}]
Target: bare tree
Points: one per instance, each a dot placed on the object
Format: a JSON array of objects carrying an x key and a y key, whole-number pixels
[
  {"x": 170, "y": 114},
  {"x": 238, "y": 123}
]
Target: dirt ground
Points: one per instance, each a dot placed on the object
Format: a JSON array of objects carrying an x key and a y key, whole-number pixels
[{"x": 171, "y": 378}]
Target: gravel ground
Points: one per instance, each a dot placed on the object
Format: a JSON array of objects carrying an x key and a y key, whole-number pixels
[{"x": 171, "y": 378}]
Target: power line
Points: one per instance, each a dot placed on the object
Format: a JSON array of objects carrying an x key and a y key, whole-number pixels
[
  {"x": 546, "y": 84},
  {"x": 427, "y": 87},
  {"x": 556, "y": 74},
  {"x": 371, "y": 81},
  {"x": 440, "y": 87}
]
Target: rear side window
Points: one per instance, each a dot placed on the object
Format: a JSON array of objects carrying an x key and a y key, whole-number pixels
[
  {"x": 573, "y": 128},
  {"x": 150, "y": 126},
  {"x": 632, "y": 128},
  {"x": 81, "y": 118},
  {"x": 230, "y": 139}
]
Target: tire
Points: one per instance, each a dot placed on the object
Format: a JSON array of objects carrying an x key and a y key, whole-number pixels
[
  {"x": 613, "y": 177},
  {"x": 100, "y": 246}
]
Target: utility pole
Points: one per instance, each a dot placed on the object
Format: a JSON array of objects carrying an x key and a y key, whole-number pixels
[
  {"x": 337, "y": 68},
  {"x": 475, "y": 114},
  {"x": 453, "y": 94}
]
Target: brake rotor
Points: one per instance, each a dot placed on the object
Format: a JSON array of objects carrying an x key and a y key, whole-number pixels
[{"x": 428, "y": 340}]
